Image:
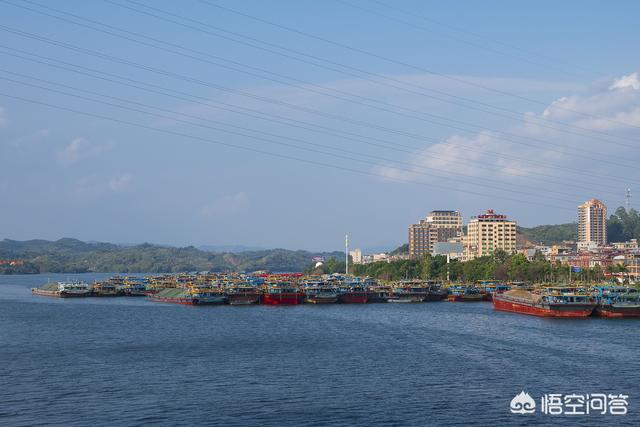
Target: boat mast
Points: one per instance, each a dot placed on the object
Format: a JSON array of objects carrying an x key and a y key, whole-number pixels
[{"x": 346, "y": 254}]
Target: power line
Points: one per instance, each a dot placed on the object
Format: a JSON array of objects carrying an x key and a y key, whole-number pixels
[
  {"x": 385, "y": 79},
  {"x": 363, "y": 138},
  {"x": 308, "y": 87},
  {"x": 408, "y": 65},
  {"x": 268, "y": 153},
  {"x": 550, "y": 62},
  {"x": 341, "y": 150}
]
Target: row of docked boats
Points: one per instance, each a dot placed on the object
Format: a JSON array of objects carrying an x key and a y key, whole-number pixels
[
  {"x": 282, "y": 293},
  {"x": 243, "y": 290},
  {"x": 294, "y": 289}
]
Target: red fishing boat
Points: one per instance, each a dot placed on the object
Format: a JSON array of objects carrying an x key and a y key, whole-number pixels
[
  {"x": 559, "y": 302},
  {"x": 282, "y": 295}
]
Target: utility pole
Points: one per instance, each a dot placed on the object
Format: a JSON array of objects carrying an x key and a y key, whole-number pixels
[
  {"x": 448, "y": 259},
  {"x": 346, "y": 254}
]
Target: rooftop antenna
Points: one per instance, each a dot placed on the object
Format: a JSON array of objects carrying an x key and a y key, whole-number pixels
[
  {"x": 628, "y": 199},
  {"x": 346, "y": 254}
]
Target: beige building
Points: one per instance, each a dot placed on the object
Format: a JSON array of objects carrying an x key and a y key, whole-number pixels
[
  {"x": 356, "y": 256},
  {"x": 488, "y": 232},
  {"x": 592, "y": 222},
  {"x": 438, "y": 226}
]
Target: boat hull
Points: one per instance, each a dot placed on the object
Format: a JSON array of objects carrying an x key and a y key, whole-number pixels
[
  {"x": 190, "y": 301},
  {"x": 436, "y": 296},
  {"x": 354, "y": 298},
  {"x": 407, "y": 298},
  {"x": 543, "y": 310},
  {"x": 464, "y": 298},
  {"x": 58, "y": 294},
  {"x": 374, "y": 298},
  {"x": 619, "y": 311},
  {"x": 283, "y": 299},
  {"x": 321, "y": 299},
  {"x": 243, "y": 299},
  {"x": 107, "y": 294}
]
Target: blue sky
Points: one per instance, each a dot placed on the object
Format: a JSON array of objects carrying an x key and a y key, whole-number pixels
[{"x": 358, "y": 90}]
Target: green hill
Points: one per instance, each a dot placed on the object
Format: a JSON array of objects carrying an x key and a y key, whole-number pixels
[
  {"x": 550, "y": 234},
  {"x": 75, "y": 256}
]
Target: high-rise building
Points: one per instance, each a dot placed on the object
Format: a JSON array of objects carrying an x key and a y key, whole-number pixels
[
  {"x": 356, "y": 256},
  {"x": 592, "y": 223},
  {"x": 438, "y": 226},
  {"x": 488, "y": 232}
]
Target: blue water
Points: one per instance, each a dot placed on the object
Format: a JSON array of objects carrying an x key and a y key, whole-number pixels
[{"x": 129, "y": 361}]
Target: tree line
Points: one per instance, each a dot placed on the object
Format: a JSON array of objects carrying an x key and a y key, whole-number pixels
[{"x": 499, "y": 266}]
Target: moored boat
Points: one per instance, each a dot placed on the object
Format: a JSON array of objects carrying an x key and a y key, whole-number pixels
[
  {"x": 106, "y": 289},
  {"x": 190, "y": 296},
  {"x": 437, "y": 292},
  {"x": 63, "y": 290},
  {"x": 243, "y": 295},
  {"x": 282, "y": 294},
  {"x": 355, "y": 294},
  {"x": 490, "y": 288},
  {"x": 321, "y": 295},
  {"x": 378, "y": 294},
  {"x": 558, "y": 302},
  {"x": 617, "y": 301},
  {"x": 413, "y": 291},
  {"x": 464, "y": 294}
]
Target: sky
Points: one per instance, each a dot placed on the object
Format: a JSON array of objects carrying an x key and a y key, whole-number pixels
[{"x": 290, "y": 123}]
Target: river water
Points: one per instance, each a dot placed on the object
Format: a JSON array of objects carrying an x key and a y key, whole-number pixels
[{"x": 129, "y": 361}]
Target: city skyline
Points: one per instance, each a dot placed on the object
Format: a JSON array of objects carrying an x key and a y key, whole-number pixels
[{"x": 311, "y": 134}]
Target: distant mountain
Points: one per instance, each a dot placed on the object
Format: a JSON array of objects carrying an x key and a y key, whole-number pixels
[
  {"x": 74, "y": 256},
  {"x": 229, "y": 248}
]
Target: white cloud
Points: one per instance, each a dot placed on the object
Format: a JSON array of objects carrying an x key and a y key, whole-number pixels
[
  {"x": 487, "y": 154},
  {"x": 80, "y": 149},
  {"x": 616, "y": 108},
  {"x": 226, "y": 206},
  {"x": 630, "y": 81}
]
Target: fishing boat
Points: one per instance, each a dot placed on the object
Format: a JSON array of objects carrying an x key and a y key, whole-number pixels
[
  {"x": 489, "y": 288},
  {"x": 321, "y": 294},
  {"x": 617, "y": 301},
  {"x": 550, "y": 302},
  {"x": 437, "y": 292},
  {"x": 464, "y": 294},
  {"x": 282, "y": 294},
  {"x": 63, "y": 290},
  {"x": 242, "y": 294},
  {"x": 106, "y": 289},
  {"x": 190, "y": 296},
  {"x": 378, "y": 294},
  {"x": 353, "y": 294},
  {"x": 410, "y": 291},
  {"x": 135, "y": 286}
]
